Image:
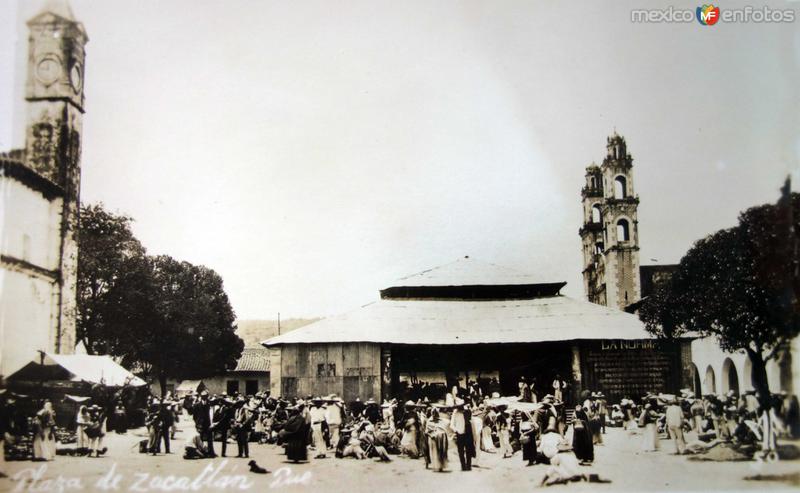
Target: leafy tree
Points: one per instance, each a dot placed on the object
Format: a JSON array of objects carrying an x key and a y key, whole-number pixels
[
  {"x": 164, "y": 317},
  {"x": 114, "y": 282},
  {"x": 195, "y": 332},
  {"x": 739, "y": 285}
]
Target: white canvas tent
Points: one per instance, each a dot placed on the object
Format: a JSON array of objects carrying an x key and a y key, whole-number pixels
[{"x": 86, "y": 368}]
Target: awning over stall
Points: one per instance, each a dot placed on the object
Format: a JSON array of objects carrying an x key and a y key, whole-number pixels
[{"x": 77, "y": 368}]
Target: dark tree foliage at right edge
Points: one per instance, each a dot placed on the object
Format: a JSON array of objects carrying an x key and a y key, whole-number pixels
[{"x": 740, "y": 286}]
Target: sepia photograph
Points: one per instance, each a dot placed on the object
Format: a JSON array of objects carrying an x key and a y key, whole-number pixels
[{"x": 373, "y": 246}]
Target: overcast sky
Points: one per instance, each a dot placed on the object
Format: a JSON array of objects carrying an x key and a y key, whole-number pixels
[{"x": 312, "y": 152}]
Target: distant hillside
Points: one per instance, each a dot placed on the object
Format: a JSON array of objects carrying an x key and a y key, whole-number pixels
[{"x": 255, "y": 331}]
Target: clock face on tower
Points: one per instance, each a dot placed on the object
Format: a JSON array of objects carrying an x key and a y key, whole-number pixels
[
  {"x": 76, "y": 78},
  {"x": 48, "y": 69}
]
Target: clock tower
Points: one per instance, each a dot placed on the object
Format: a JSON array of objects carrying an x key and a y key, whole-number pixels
[
  {"x": 55, "y": 107},
  {"x": 54, "y": 92}
]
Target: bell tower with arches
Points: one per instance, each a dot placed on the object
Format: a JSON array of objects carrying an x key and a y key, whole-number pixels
[{"x": 610, "y": 237}]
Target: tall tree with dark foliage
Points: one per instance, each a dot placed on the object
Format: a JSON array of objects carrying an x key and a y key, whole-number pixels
[
  {"x": 194, "y": 332},
  {"x": 114, "y": 283},
  {"x": 167, "y": 318},
  {"x": 739, "y": 285}
]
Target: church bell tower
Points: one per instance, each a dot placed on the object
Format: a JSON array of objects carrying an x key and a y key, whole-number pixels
[
  {"x": 55, "y": 107},
  {"x": 609, "y": 233}
]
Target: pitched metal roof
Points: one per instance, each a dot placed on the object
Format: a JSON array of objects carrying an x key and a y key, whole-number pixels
[
  {"x": 254, "y": 358},
  {"x": 466, "y": 271},
  {"x": 399, "y": 321}
]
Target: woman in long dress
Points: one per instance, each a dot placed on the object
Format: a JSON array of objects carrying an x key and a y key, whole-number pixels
[
  {"x": 581, "y": 436},
  {"x": 436, "y": 432},
  {"x": 120, "y": 419},
  {"x": 650, "y": 435},
  {"x": 503, "y": 423},
  {"x": 82, "y": 420},
  {"x": 295, "y": 436},
  {"x": 408, "y": 444},
  {"x": 44, "y": 440},
  {"x": 422, "y": 438},
  {"x": 487, "y": 443}
]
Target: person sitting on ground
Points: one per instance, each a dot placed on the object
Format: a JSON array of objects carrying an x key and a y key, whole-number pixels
[
  {"x": 195, "y": 448},
  {"x": 370, "y": 445},
  {"x": 349, "y": 445}
]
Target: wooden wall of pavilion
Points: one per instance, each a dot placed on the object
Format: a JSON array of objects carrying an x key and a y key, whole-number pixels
[{"x": 349, "y": 370}]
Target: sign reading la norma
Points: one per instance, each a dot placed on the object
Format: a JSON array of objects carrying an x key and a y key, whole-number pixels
[{"x": 621, "y": 344}]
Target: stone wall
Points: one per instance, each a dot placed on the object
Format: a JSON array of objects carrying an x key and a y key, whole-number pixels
[{"x": 29, "y": 263}]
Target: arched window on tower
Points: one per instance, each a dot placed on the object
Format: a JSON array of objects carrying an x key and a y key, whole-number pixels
[
  {"x": 597, "y": 217},
  {"x": 623, "y": 234},
  {"x": 620, "y": 187}
]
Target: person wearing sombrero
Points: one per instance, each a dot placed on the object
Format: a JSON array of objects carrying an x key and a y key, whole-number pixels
[
  {"x": 317, "y": 414},
  {"x": 243, "y": 419},
  {"x": 372, "y": 411},
  {"x": 602, "y": 411},
  {"x": 648, "y": 419},
  {"x": 697, "y": 413},
  {"x": 674, "y": 421},
  {"x": 96, "y": 430},
  {"x": 334, "y": 417},
  {"x": 223, "y": 421},
  {"x": 461, "y": 426},
  {"x": 203, "y": 414}
]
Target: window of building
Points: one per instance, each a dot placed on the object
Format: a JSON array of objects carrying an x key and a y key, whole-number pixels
[
  {"x": 232, "y": 387},
  {"x": 622, "y": 230},
  {"x": 251, "y": 387},
  {"x": 326, "y": 370},
  {"x": 597, "y": 216},
  {"x": 598, "y": 247},
  {"x": 620, "y": 187}
]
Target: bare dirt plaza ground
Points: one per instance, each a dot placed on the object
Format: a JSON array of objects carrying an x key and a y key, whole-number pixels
[{"x": 618, "y": 459}]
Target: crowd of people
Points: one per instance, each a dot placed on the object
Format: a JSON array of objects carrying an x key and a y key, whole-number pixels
[
  {"x": 732, "y": 418},
  {"x": 465, "y": 418}
]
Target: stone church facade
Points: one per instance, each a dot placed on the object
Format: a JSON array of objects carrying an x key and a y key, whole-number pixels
[{"x": 40, "y": 193}]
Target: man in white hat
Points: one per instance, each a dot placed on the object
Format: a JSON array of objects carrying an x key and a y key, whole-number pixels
[
  {"x": 334, "y": 415},
  {"x": 674, "y": 418},
  {"x": 317, "y": 414},
  {"x": 464, "y": 442}
]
